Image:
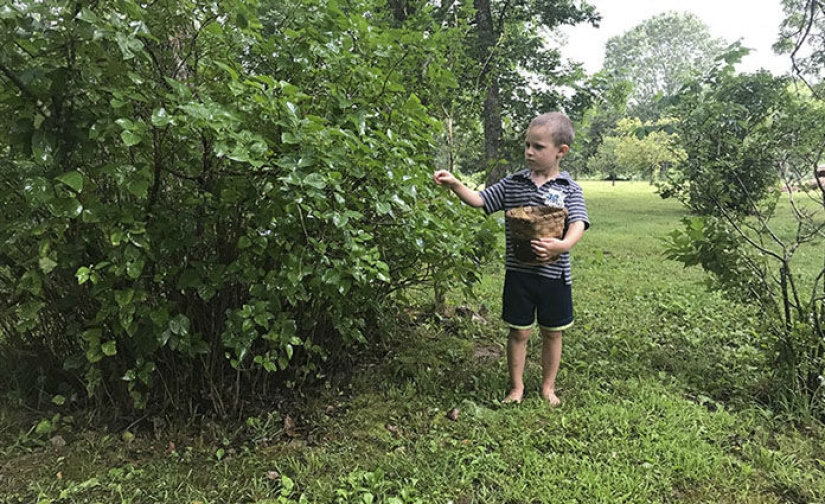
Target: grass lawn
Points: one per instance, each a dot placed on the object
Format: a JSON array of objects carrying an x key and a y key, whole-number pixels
[{"x": 661, "y": 384}]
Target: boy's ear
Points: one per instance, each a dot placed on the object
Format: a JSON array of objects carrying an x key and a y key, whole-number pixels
[{"x": 564, "y": 149}]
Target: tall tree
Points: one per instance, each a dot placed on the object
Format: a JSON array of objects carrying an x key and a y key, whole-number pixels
[
  {"x": 648, "y": 149},
  {"x": 512, "y": 55},
  {"x": 660, "y": 54},
  {"x": 505, "y": 71},
  {"x": 801, "y": 36}
]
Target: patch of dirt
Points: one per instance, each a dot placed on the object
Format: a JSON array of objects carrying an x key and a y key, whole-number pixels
[{"x": 488, "y": 352}]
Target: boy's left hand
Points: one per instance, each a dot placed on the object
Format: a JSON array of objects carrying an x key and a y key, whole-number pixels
[{"x": 545, "y": 248}]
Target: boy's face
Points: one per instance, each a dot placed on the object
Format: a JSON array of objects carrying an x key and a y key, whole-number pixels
[{"x": 540, "y": 152}]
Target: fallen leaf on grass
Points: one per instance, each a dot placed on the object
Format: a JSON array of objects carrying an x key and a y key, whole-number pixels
[
  {"x": 273, "y": 475},
  {"x": 453, "y": 414},
  {"x": 289, "y": 426}
]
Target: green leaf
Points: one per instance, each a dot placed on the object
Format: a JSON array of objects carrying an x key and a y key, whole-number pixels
[
  {"x": 124, "y": 297},
  {"x": 189, "y": 278},
  {"x": 340, "y": 220},
  {"x": 47, "y": 264},
  {"x": 130, "y": 138},
  {"x": 383, "y": 208},
  {"x": 6, "y": 12},
  {"x": 82, "y": 274},
  {"x": 139, "y": 188},
  {"x": 93, "y": 354},
  {"x": 44, "y": 427},
  {"x": 116, "y": 237},
  {"x": 161, "y": 118},
  {"x": 240, "y": 154},
  {"x": 109, "y": 348},
  {"x": 68, "y": 208},
  {"x": 42, "y": 147},
  {"x": 231, "y": 71},
  {"x": 126, "y": 124},
  {"x": 214, "y": 29},
  {"x": 92, "y": 335},
  {"x": 73, "y": 179},
  {"x": 315, "y": 180},
  {"x": 135, "y": 268},
  {"x": 179, "y": 325},
  {"x": 87, "y": 15},
  {"x": 38, "y": 190}
]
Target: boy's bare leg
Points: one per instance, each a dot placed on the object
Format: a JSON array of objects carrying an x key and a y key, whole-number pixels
[
  {"x": 516, "y": 357},
  {"x": 550, "y": 359}
]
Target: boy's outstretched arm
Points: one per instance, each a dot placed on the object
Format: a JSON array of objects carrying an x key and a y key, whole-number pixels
[{"x": 464, "y": 193}]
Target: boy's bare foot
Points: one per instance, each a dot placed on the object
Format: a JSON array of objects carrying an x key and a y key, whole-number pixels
[
  {"x": 551, "y": 398},
  {"x": 514, "y": 396}
]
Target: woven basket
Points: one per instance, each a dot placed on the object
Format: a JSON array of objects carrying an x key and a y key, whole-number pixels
[{"x": 532, "y": 223}]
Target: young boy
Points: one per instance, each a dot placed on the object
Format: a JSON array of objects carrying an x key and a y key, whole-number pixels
[{"x": 535, "y": 292}]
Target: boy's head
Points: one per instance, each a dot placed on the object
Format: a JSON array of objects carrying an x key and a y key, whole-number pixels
[
  {"x": 547, "y": 141},
  {"x": 558, "y": 125}
]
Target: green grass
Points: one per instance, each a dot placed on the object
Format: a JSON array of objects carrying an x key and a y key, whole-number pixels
[{"x": 662, "y": 384}]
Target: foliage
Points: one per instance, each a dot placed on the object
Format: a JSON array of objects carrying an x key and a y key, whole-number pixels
[
  {"x": 659, "y": 55},
  {"x": 598, "y": 122},
  {"x": 800, "y": 36},
  {"x": 638, "y": 149},
  {"x": 743, "y": 135},
  {"x": 727, "y": 127},
  {"x": 189, "y": 200},
  {"x": 508, "y": 74},
  {"x": 604, "y": 160},
  {"x": 710, "y": 243}
]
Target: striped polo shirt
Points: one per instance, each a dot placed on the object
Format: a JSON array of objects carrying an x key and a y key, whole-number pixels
[{"x": 519, "y": 190}]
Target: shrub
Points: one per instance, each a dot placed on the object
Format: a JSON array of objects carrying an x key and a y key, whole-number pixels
[{"x": 190, "y": 203}]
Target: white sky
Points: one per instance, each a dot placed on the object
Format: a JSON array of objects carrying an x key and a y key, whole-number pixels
[{"x": 755, "y": 22}]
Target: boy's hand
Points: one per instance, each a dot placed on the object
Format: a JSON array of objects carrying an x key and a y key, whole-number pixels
[
  {"x": 443, "y": 177},
  {"x": 468, "y": 196},
  {"x": 545, "y": 248}
]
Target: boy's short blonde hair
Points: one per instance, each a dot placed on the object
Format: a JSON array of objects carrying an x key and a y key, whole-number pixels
[{"x": 561, "y": 127}]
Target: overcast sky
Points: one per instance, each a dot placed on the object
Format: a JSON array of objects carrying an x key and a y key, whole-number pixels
[{"x": 755, "y": 22}]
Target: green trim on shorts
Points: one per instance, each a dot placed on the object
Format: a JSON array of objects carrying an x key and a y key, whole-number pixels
[
  {"x": 519, "y": 328},
  {"x": 560, "y": 328}
]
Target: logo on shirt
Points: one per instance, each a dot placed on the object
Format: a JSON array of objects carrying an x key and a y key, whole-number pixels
[{"x": 554, "y": 198}]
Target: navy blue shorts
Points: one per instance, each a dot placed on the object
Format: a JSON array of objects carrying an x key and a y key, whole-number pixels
[{"x": 529, "y": 297}]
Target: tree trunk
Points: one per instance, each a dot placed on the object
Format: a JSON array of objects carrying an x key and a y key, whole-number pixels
[
  {"x": 488, "y": 77},
  {"x": 399, "y": 11},
  {"x": 496, "y": 166}
]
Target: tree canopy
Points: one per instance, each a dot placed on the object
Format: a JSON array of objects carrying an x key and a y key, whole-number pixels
[{"x": 660, "y": 54}]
